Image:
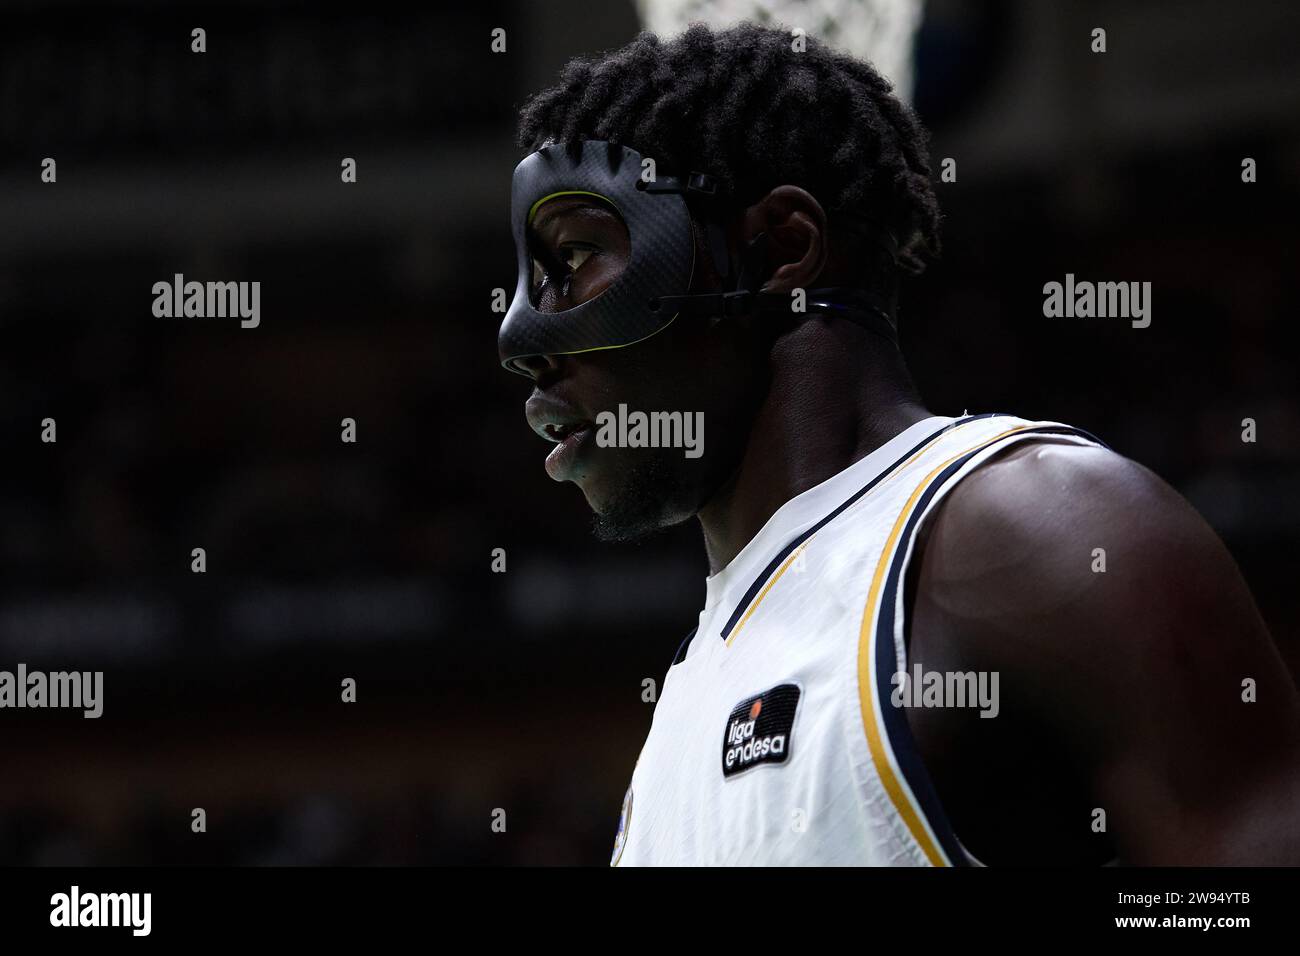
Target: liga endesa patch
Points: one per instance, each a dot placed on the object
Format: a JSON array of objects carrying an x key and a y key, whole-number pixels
[{"x": 758, "y": 730}]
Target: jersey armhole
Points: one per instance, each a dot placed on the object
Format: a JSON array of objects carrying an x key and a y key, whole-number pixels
[{"x": 908, "y": 558}]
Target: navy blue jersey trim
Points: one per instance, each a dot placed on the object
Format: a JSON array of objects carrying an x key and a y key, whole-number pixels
[
  {"x": 784, "y": 553},
  {"x": 895, "y": 720},
  {"x": 685, "y": 645}
]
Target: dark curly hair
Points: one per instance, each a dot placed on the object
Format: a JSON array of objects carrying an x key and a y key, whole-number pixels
[{"x": 742, "y": 105}]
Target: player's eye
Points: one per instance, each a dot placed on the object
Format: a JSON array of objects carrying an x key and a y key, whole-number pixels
[{"x": 556, "y": 267}]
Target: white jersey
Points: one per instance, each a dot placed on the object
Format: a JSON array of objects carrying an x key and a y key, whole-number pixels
[{"x": 774, "y": 739}]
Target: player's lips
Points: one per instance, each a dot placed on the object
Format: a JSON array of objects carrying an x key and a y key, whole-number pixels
[
  {"x": 559, "y": 422},
  {"x": 560, "y": 462}
]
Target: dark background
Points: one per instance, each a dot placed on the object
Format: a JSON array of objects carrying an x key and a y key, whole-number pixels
[{"x": 521, "y": 690}]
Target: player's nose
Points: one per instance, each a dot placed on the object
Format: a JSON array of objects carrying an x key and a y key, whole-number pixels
[{"x": 537, "y": 366}]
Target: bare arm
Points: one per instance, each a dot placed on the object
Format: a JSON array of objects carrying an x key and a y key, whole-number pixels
[{"x": 1124, "y": 689}]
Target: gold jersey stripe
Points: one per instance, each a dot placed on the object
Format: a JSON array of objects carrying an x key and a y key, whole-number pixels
[
  {"x": 871, "y": 722},
  {"x": 763, "y": 593}
]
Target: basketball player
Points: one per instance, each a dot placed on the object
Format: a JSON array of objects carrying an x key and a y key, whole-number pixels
[{"x": 926, "y": 640}]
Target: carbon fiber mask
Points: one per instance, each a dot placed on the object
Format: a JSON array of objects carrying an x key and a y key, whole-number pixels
[{"x": 651, "y": 291}]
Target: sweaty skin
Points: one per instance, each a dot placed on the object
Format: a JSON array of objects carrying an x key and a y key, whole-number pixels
[{"x": 1120, "y": 691}]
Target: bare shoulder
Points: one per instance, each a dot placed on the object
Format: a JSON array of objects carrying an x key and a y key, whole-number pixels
[
  {"x": 1049, "y": 490},
  {"x": 1124, "y": 634},
  {"x": 1047, "y": 525},
  {"x": 1074, "y": 566}
]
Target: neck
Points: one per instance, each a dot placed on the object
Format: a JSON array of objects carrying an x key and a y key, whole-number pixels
[{"x": 809, "y": 428}]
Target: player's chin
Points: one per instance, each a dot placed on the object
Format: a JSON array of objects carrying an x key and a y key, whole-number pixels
[
  {"x": 607, "y": 481},
  {"x": 633, "y": 502},
  {"x": 629, "y": 522}
]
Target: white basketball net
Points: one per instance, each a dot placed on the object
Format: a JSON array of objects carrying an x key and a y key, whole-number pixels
[{"x": 878, "y": 31}]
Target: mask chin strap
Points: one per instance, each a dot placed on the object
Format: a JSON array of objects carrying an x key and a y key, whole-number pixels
[{"x": 853, "y": 305}]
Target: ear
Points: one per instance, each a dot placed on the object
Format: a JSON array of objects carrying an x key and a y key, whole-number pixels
[{"x": 795, "y": 224}]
